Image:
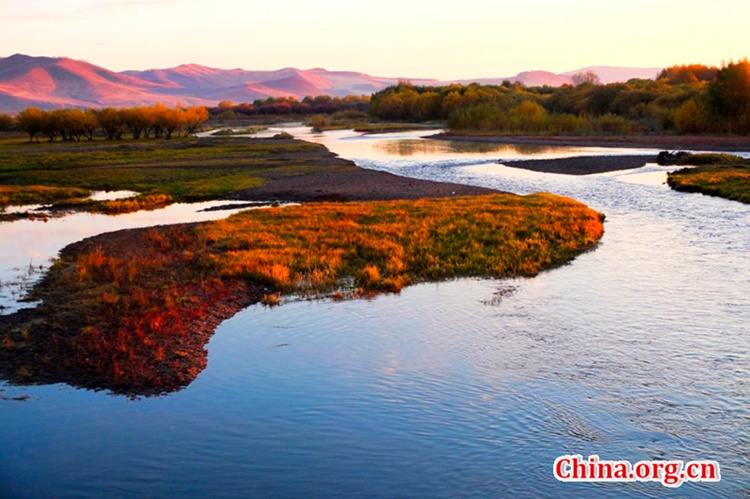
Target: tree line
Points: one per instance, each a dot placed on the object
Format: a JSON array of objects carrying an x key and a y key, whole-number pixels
[
  {"x": 683, "y": 99},
  {"x": 322, "y": 104},
  {"x": 157, "y": 121}
]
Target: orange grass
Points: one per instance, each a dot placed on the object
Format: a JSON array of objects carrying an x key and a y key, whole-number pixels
[
  {"x": 727, "y": 181},
  {"x": 132, "y": 313},
  {"x": 131, "y": 205},
  {"x": 385, "y": 245}
]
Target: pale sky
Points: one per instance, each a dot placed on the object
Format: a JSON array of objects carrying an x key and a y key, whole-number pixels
[{"x": 408, "y": 38}]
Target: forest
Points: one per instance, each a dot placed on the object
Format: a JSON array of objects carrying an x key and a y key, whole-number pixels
[
  {"x": 686, "y": 99},
  {"x": 274, "y": 106}
]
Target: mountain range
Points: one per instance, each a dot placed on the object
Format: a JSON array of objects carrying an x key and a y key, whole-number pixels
[{"x": 48, "y": 82}]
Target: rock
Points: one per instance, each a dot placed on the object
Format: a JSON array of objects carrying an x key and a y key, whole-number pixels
[{"x": 666, "y": 158}]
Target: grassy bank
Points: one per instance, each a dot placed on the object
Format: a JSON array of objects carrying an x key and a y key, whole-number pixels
[
  {"x": 730, "y": 181},
  {"x": 161, "y": 171},
  {"x": 131, "y": 311}
]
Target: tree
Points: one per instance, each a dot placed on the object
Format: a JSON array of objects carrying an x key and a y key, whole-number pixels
[
  {"x": 450, "y": 103},
  {"x": 89, "y": 124},
  {"x": 425, "y": 106},
  {"x": 111, "y": 122},
  {"x": 729, "y": 95},
  {"x": 318, "y": 122},
  {"x": 6, "y": 121},
  {"x": 31, "y": 120},
  {"x": 689, "y": 73},
  {"x": 193, "y": 117},
  {"x": 692, "y": 117},
  {"x": 170, "y": 121},
  {"x": 137, "y": 120},
  {"x": 586, "y": 77}
]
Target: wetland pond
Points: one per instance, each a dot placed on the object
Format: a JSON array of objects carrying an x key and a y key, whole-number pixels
[{"x": 637, "y": 350}]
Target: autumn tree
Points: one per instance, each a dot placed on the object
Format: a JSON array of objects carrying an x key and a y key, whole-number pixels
[
  {"x": 729, "y": 95},
  {"x": 450, "y": 103},
  {"x": 112, "y": 122},
  {"x": 71, "y": 124},
  {"x": 586, "y": 77},
  {"x": 31, "y": 120},
  {"x": 687, "y": 73},
  {"x": 137, "y": 120},
  {"x": 6, "y": 121},
  {"x": 318, "y": 122},
  {"x": 89, "y": 123},
  {"x": 693, "y": 116},
  {"x": 194, "y": 117},
  {"x": 425, "y": 106},
  {"x": 171, "y": 121}
]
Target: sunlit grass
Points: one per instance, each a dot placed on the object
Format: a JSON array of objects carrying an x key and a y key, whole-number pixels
[
  {"x": 386, "y": 244},
  {"x": 132, "y": 311},
  {"x": 727, "y": 181}
]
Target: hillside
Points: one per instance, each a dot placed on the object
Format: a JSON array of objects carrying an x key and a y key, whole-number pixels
[{"x": 48, "y": 82}]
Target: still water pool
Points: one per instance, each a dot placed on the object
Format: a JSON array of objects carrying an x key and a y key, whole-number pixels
[{"x": 637, "y": 350}]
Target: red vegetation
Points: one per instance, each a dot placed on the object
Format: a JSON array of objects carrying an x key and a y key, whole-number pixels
[{"x": 131, "y": 311}]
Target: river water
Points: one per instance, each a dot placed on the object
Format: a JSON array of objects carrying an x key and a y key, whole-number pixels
[{"x": 637, "y": 350}]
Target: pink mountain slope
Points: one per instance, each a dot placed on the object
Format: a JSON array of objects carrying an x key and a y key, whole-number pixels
[{"x": 59, "y": 82}]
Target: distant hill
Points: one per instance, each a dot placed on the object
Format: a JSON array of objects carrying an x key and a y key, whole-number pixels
[
  {"x": 48, "y": 82},
  {"x": 611, "y": 74},
  {"x": 528, "y": 78},
  {"x": 56, "y": 82}
]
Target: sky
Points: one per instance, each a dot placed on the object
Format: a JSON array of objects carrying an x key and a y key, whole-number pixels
[{"x": 451, "y": 39}]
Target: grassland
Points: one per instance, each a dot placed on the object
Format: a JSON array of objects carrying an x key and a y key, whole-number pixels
[
  {"x": 726, "y": 181},
  {"x": 131, "y": 311},
  {"x": 160, "y": 171}
]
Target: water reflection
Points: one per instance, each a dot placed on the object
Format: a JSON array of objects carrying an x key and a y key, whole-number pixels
[
  {"x": 33, "y": 243},
  {"x": 410, "y": 147},
  {"x": 111, "y": 195},
  {"x": 124, "y": 361},
  {"x": 638, "y": 350}
]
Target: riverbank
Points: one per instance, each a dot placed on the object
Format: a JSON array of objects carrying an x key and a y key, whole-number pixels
[
  {"x": 730, "y": 181},
  {"x": 61, "y": 175},
  {"x": 661, "y": 142},
  {"x": 131, "y": 311}
]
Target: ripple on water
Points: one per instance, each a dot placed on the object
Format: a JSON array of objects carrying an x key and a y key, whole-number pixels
[{"x": 637, "y": 350}]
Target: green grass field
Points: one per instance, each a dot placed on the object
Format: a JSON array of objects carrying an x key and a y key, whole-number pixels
[{"x": 168, "y": 170}]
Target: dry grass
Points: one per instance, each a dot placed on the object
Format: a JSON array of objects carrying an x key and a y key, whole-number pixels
[
  {"x": 384, "y": 245},
  {"x": 131, "y": 311}
]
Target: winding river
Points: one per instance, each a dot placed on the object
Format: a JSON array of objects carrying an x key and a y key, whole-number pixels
[{"x": 637, "y": 350}]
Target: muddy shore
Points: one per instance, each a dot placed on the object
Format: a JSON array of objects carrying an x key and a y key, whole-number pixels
[
  {"x": 583, "y": 165},
  {"x": 354, "y": 184}
]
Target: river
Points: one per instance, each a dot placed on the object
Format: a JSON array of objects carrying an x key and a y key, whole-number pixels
[{"x": 637, "y": 350}]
